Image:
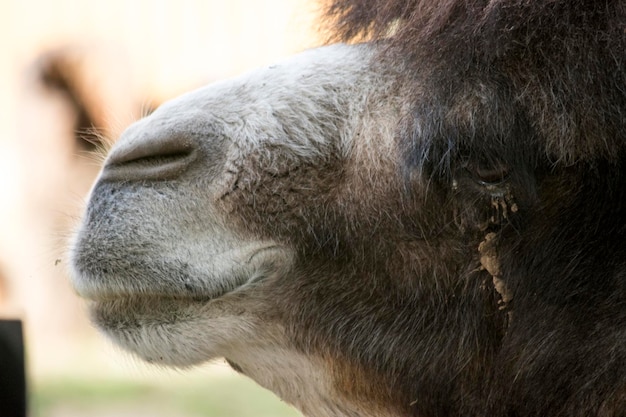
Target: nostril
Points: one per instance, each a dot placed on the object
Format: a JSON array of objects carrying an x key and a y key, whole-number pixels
[
  {"x": 152, "y": 159},
  {"x": 151, "y": 156}
]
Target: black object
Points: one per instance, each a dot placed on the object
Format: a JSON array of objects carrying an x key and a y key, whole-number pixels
[{"x": 12, "y": 371}]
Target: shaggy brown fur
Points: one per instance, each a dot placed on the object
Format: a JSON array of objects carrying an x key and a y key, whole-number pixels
[
  {"x": 559, "y": 63},
  {"x": 534, "y": 91}
]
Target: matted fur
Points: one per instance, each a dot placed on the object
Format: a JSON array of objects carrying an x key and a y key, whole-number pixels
[
  {"x": 430, "y": 223},
  {"x": 561, "y": 63}
]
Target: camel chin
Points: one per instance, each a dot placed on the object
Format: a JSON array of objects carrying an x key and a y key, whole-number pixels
[{"x": 185, "y": 329}]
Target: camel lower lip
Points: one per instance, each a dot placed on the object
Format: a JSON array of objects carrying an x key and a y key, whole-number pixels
[
  {"x": 139, "y": 311},
  {"x": 145, "y": 305}
]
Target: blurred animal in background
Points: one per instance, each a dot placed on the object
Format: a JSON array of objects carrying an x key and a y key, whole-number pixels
[
  {"x": 95, "y": 83},
  {"x": 426, "y": 223}
]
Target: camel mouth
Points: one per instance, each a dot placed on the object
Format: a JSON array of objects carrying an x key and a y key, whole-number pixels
[
  {"x": 110, "y": 289},
  {"x": 229, "y": 271},
  {"x": 137, "y": 298}
]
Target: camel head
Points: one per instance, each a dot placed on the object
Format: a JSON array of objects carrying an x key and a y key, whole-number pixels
[{"x": 369, "y": 230}]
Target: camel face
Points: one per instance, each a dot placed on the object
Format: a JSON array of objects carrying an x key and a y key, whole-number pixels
[
  {"x": 209, "y": 214},
  {"x": 427, "y": 224}
]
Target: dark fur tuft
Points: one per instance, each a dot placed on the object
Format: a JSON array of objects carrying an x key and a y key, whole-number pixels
[{"x": 562, "y": 63}]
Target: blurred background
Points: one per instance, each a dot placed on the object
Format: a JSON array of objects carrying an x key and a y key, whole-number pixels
[{"x": 67, "y": 67}]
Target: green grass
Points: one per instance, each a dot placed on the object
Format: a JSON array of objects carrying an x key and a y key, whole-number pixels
[{"x": 220, "y": 396}]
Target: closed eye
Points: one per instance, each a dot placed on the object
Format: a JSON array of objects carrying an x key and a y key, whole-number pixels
[{"x": 487, "y": 173}]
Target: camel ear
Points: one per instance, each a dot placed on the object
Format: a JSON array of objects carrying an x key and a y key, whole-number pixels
[{"x": 96, "y": 83}]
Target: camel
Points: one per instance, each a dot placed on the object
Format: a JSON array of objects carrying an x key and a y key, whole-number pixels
[{"x": 424, "y": 220}]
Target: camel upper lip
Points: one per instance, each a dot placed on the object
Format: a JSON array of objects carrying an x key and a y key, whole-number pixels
[{"x": 104, "y": 289}]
